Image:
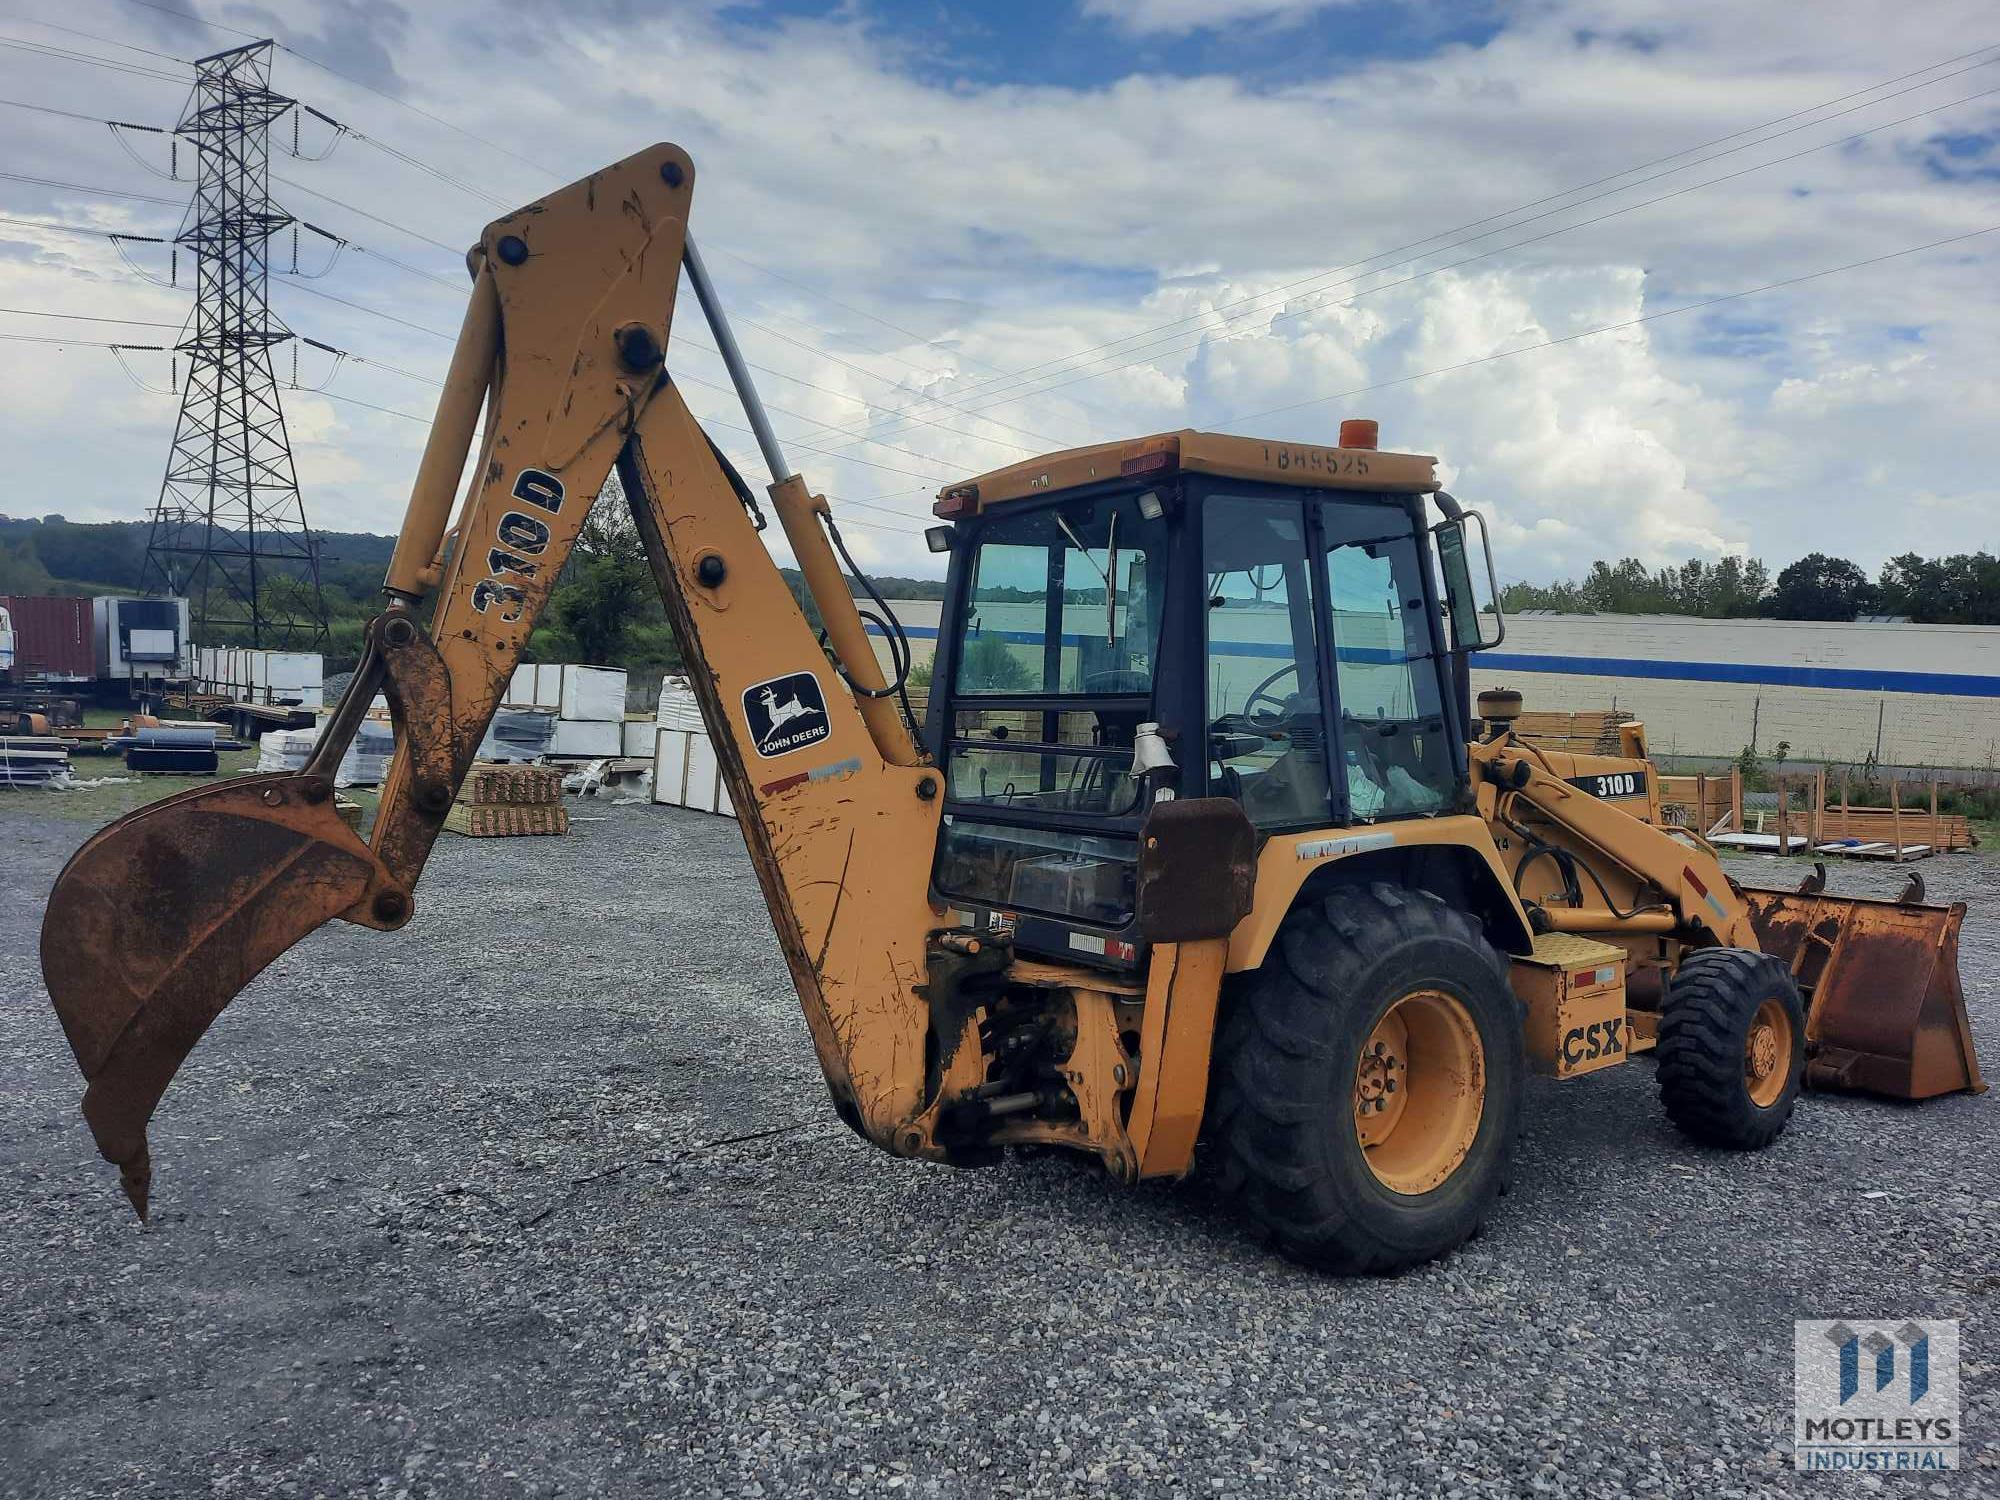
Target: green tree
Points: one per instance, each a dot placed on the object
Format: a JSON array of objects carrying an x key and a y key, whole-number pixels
[
  {"x": 598, "y": 596},
  {"x": 1963, "y": 589},
  {"x": 1819, "y": 587},
  {"x": 990, "y": 666}
]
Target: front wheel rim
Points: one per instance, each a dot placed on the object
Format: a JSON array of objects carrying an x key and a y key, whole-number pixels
[
  {"x": 1767, "y": 1053},
  {"x": 1419, "y": 1091}
]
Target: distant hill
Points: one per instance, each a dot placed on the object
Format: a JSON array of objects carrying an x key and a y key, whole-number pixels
[{"x": 52, "y": 555}]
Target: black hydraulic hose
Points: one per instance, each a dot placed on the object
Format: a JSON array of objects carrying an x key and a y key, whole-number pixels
[
  {"x": 891, "y": 627},
  {"x": 1569, "y": 864},
  {"x": 736, "y": 480}
]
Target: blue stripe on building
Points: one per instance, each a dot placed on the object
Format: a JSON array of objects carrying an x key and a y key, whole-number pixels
[{"x": 1850, "y": 679}]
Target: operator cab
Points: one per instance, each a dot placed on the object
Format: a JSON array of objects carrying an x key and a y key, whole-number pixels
[{"x": 1188, "y": 615}]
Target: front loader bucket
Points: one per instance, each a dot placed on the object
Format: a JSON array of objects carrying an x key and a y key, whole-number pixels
[
  {"x": 1885, "y": 1013},
  {"x": 160, "y": 919}
]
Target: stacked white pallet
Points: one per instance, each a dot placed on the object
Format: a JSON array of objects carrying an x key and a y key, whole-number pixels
[
  {"x": 686, "y": 772},
  {"x": 588, "y": 702}
]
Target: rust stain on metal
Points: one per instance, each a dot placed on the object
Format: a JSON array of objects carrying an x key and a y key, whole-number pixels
[
  {"x": 1885, "y": 1005},
  {"x": 158, "y": 922}
]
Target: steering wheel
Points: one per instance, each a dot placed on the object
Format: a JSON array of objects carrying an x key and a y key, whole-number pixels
[{"x": 1281, "y": 708}]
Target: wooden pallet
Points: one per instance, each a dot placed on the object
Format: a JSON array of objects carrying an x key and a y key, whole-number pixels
[
  {"x": 489, "y": 821},
  {"x": 1591, "y": 733},
  {"x": 513, "y": 786}
]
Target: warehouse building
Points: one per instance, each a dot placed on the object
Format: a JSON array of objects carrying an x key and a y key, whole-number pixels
[{"x": 1909, "y": 695}]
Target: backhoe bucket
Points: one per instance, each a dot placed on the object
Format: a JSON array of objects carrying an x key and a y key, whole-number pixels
[
  {"x": 1885, "y": 1013},
  {"x": 160, "y": 919}
]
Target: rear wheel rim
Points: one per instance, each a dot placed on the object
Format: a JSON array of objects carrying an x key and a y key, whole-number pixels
[
  {"x": 1419, "y": 1091},
  {"x": 1767, "y": 1053}
]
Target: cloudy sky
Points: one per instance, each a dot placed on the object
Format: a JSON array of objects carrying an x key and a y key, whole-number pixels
[{"x": 957, "y": 234}]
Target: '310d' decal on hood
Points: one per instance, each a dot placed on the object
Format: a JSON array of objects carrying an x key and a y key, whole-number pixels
[
  {"x": 1612, "y": 783},
  {"x": 786, "y": 714}
]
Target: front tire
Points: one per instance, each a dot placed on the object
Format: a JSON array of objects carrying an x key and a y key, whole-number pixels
[
  {"x": 1732, "y": 1048},
  {"x": 1369, "y": 1081}
]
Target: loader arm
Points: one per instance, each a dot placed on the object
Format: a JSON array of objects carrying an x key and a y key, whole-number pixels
[
  {"x": 1704, "y": 905},
  {"x": 159, "y": 920},
  {"x": 1885, "y": 1005}
]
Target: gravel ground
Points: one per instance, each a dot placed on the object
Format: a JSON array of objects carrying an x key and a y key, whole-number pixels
[{"x": 492, "y": 1206}]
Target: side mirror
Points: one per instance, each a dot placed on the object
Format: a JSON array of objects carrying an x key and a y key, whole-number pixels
[{"x": 1474, "y": 611}]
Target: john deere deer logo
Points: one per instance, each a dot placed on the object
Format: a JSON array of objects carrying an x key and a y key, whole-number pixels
[{"x": 785, "y": 714}]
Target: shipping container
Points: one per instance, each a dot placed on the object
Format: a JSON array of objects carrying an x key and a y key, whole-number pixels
[
  {"x": 52, "y": 639},
  {"x": 140, "y": 638},
  {"x": 294, "y": 677}
]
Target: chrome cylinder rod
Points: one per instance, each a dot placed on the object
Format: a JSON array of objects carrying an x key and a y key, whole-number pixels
[{"x": 739, "y": 372}]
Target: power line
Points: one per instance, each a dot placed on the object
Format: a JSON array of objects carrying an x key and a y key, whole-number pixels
[
  {"x": 439, "y": 333},
  {"x": 552, "y": 173},
  {"x": 390, "y": 411},
  {"x": 110, "y": 234},
  {"x": 185, "y": 15},
  {"x": 29, "y": 312},
  {"x": 81, "y": 187},
  {"x": 91, "y": 36},
  {"x": 46, "y": 109},
  {"x": 50, "y": 338},
  {"x": 349, "y": 78},
  {"x": 1652, "y": 317},
  {"x": 300, "y": 187},
  {"x": 70, "y": 54},
  {"x": 1201, "y": 335},
  {"x": 373, "y": 312},
  {"x": 1281, "y": 291},
  {"x": 992, "y": 386},
  {"x": 1463, "y": 233}
]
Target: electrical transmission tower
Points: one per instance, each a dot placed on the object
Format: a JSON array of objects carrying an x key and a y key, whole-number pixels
[{"x": 230, "y": 530}]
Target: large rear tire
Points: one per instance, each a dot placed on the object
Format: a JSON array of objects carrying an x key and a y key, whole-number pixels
[
  {"x": 1369, "y": 1080},
  {"x": 1732, "y": 1048}
]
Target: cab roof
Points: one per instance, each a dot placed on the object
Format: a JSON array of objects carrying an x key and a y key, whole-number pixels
[{"x": 1271, "y": 460}]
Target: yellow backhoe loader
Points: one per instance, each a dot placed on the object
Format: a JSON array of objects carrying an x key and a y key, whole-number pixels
[{"x": 1201, "y": 839}]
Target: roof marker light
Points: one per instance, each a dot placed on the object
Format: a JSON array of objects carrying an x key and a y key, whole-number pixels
[
  {"x": 1159, "y": 461},
  {"x": 958, "y": 500}
]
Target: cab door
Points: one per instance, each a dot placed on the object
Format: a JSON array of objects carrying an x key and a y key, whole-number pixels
[{"x": 1400, "y": 749}]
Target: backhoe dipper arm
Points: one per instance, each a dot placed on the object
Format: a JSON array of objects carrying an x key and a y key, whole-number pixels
[{"x": 159, "y": 920}]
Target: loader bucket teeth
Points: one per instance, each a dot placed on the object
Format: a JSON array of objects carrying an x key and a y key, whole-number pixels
[
  {"x": 1885, "y": 1008},
  {"x": 163, "y": 917}
]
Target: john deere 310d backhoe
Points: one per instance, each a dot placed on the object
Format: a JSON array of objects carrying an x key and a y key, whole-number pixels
[{"x": 1201, "y": 840}]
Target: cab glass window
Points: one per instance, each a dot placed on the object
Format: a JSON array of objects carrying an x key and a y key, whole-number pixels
[
  {"x": 1388, "y": 675},
  {"x": 1266, "y": 738},
  {"x": 1064, "y": 599}
]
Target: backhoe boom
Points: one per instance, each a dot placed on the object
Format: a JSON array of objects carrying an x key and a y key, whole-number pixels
[{"x": 564, "y": 347}]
